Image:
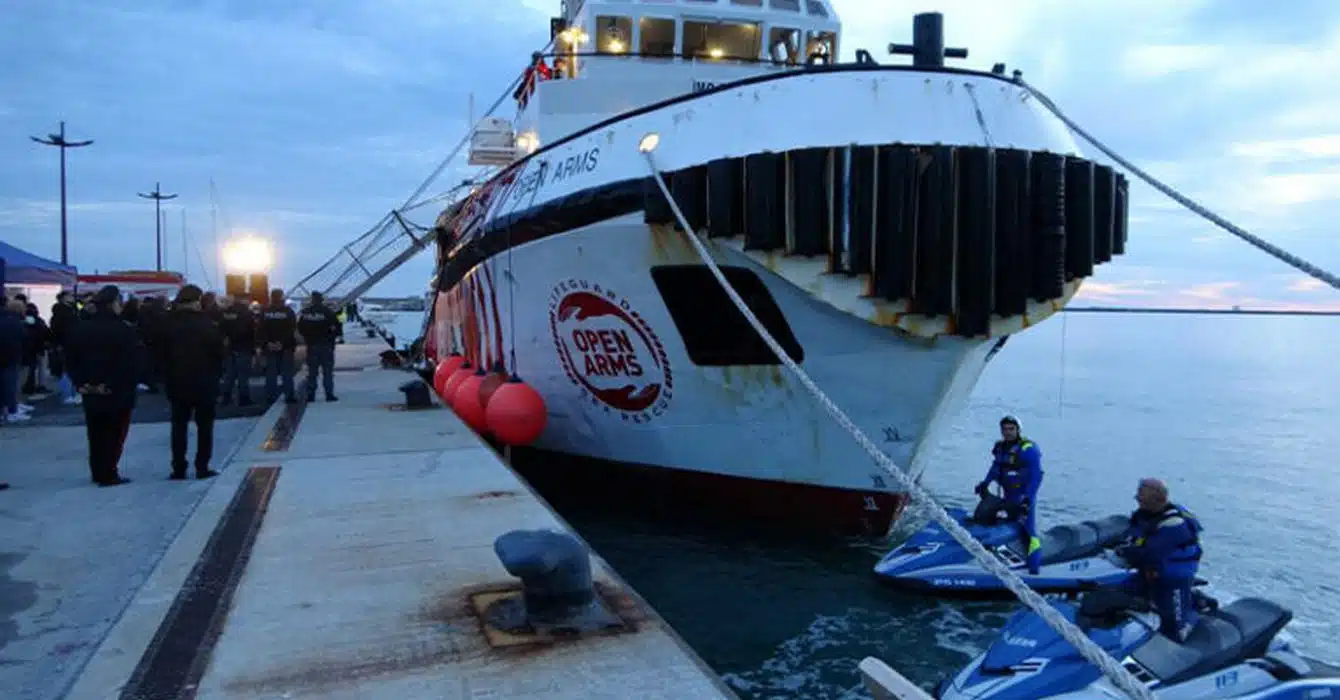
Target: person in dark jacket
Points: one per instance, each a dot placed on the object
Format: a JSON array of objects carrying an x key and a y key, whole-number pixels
[
  {"x": 319, "y": 328},
  {"x": 148, "y": 321},
  {"x": 34, "y": 349},
  {"x": 1165, "y": 547},
  {"x": 276, "y": 335},
  {"x": 12, "y": 338},
  {"x": 190, "y": 348},
  {"x": 87, "y": 309},
  {"x": 64, "y": 315},
  {"x": 239, "y": 328},
  {"x": 103, "y": 358}
]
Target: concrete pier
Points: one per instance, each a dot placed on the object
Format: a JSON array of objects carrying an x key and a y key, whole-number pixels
[{"x": 347, "y": 552}]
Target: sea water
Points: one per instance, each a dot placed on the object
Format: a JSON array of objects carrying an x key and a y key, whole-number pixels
[{"x": 1237, "y": 413}]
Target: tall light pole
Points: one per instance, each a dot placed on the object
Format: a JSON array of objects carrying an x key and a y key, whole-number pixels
[
  {"x": 58, "y": 140},
  {"x": 158, "y": 197}
]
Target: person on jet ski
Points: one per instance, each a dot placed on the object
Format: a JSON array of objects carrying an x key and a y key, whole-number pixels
[
  {"x": 1016, "y": 464},
  {"x": 1165, "y": 548}
]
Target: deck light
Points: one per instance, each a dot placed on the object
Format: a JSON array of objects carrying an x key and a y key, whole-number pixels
[{"x": 649, "y": 142}]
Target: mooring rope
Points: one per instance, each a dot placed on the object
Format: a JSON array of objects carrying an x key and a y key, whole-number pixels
[
  {"x": 1122, "y": 678},
  {"x": 1270, "y": 249}
]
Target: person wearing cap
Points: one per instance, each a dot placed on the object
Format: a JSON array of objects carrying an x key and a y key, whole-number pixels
[
  {"x": 191, "y": 352},
  {"x": 103, "y": 359},
  {"x": 319, "y": 328},
  {"x": 1016, "y": 464}
]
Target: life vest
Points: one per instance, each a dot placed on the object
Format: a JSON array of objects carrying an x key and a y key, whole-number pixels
[
  {"x": 1013, "y": 475},
  {"x": 1185, "y": 557}
]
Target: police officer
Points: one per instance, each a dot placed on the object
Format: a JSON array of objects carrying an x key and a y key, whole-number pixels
[
  {"x": 1165, "y": 549},
  {"x": 275, "y": 333},
  {"x": 1016, "y": 464},
  {"x": 239, "y": 327},
  {"x": 319, "y": 327}
]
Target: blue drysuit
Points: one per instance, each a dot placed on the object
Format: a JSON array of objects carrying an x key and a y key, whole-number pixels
[
  {"x": 1165, "y": 548},
  {"x": 1017, "y": 467}
]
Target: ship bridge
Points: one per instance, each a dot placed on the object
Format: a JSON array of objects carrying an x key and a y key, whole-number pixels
[{"x": 611, "y": 56}]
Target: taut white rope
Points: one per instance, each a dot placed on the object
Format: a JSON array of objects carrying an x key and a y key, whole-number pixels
[{"x": 1122, "y": 678}]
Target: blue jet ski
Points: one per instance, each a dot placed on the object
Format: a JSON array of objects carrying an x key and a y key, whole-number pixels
[
  {"x": 1232, "y": 652},
  {"x": 1075, "y": 557}
]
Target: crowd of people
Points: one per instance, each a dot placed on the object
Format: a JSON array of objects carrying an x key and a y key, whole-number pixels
[{"x": 200, "y": 350}]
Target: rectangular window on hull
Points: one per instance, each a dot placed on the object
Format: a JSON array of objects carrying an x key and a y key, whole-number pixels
[{"x": 715, "y": 333}]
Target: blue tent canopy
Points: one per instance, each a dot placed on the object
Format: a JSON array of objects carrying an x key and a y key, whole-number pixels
[{"x": 21, "y": 267}]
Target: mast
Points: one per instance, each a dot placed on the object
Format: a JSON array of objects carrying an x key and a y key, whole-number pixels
[
  {"x": 214, "y": 228},
  {"x": 185, "y": 261}
]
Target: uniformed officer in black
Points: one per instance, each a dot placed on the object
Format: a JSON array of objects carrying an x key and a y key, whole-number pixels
[
  {"x": 276, "y": 335},
  {"x": 239, "y": 327},
  {"x": 319, "y": 327}
]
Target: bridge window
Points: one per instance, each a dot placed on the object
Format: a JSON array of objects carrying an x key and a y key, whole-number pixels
[
  {"x": 613, "y": 34},
  {"x": 750, "y": 3},
  {"x": 816, "y": 8},
  {"x": 790, "y": 5},
  {"x": 658, "y": 36},
  {"x": 821, "y": 47},
  {"x": 784, "y": 45},
  {"x": 721, "y": 40}
]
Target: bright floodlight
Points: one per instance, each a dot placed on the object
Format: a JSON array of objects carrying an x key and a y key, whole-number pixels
[
  {"x": 649, "y": 142},
  {"x": 247, "y": 255}
]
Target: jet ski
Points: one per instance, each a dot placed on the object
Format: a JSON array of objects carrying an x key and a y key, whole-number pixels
[
  {"x": 1075, "y": 557},
  {"x": 1232, "y": 652}
]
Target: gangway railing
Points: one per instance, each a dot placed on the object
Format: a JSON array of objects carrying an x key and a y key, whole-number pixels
[{"x": 365, "y": 261}]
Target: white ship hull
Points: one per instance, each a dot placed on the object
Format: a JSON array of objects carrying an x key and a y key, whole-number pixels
[{"x": 556, "y": 262}]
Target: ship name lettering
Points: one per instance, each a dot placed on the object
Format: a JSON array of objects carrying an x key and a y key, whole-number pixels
[
  {"x": 607, "y": 353},
  {"x": 578, "y": 164},
  {"x": 531, "y": 182}
]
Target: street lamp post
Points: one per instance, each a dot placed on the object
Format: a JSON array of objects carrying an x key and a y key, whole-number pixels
[
  {"x": 58, "y": 140},
  {"x": 158, "y": 197}
]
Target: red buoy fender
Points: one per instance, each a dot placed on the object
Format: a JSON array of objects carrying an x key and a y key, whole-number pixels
[
  {"x": 495, "y": 379},
  {"x": 516, "y": 414},
  {"x": 466, "y": 403},
  {"x": 444, "y": 370},
  {"x": 454, "y": 381}
]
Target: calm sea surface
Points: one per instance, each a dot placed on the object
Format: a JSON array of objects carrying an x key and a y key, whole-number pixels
[{"x": 1237, "y": 413}]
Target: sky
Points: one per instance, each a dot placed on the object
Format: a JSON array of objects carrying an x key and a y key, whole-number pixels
[{"x": 314, "y": 118}]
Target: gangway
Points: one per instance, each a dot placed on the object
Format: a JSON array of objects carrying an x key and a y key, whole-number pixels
[{"x": 363, "y": 262}]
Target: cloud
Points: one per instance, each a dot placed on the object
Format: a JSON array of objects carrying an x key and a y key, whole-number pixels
[
  {"x": 313, "y": 119},
  {"x": 1308, "y": 284}
]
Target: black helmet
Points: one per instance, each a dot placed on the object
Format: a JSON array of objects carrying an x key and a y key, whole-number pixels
[{"x": 1011, "y": 420}]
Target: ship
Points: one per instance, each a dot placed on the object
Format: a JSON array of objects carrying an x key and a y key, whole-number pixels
[{"x": 891, "y": 225}]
